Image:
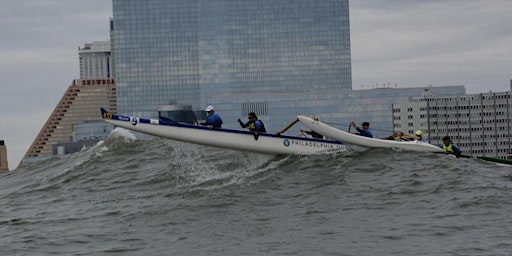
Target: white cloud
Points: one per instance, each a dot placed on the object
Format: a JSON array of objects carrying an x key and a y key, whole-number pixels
[
  {"x": 418, "y": 43},
  {"x": 27, "y": 56}
]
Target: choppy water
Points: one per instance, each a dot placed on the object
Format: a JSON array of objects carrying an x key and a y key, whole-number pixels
[{"x": 161, "y": 197}]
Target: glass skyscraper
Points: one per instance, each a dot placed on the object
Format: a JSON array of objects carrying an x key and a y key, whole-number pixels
[{"x": 278, "y": 58}]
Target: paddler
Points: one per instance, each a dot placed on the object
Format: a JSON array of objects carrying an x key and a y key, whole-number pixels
[
  {"x": 364, "y": 131},
  {"x": 449, "y": 147},
  {"x": 255, "y": 125}
]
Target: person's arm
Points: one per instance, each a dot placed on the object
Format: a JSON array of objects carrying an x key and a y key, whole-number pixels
[
  {"x": 315, "y": 135},
  {"x": 207, "y": 121},
  {"x": 218, "y": 121},
  {"x": 456, "y": 150},
  {"x": 354, "y": 125},
  {"x": 241, "y": 123}
]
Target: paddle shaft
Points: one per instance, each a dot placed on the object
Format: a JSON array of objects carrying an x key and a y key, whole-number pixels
[{"x": 287, "y": 127}]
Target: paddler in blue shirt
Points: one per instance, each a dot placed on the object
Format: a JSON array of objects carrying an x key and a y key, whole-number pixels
[
  {"x": 449, "y": 147},
  {"x": 365, "y": 131},
  {"x": 213, "y": 120},
  {"x": 254, "y": 125}
]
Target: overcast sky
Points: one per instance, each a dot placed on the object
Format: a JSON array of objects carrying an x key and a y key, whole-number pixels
[{"x": 400, "y": 43}]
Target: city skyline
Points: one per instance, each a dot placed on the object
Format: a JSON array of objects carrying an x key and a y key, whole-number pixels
[{"x": 402, "y": 44}]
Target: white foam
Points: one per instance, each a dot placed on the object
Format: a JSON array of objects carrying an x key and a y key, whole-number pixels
[{"x": 119, "y": 132}]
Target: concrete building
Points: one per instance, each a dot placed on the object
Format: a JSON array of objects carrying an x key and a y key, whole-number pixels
[
  {"x": 376, "y": 106},
  {"x": 4, "y": 164},
  {"x": 81, "y": 101},
  {"x": 480, "y": 124},
  {"x": 95, "y": 61}
]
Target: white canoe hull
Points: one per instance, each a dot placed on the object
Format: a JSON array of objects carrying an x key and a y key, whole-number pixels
[
  {"x": 224, "y": 138},
  {"x": 350, "y": 138}
]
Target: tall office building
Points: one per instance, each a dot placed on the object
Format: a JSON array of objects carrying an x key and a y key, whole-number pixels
[
  {"x": 95, "y": 60},
  {"x": 4, "y": 165},
  {"x": 478, "y": 123},
  {"x": 276, "y": 57}
]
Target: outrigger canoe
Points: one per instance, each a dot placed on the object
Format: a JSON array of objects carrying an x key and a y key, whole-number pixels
[
  {"x": 350, "y": 138},
  {"x": 224, "y": 138}
]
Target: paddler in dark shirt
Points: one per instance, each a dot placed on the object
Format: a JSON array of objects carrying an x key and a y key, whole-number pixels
[
  {"x": 254, "y": 125},
  {"x": 365, "y": 131}
]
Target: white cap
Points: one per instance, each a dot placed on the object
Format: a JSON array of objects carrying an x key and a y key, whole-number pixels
[{"x": 209, "y": 108}]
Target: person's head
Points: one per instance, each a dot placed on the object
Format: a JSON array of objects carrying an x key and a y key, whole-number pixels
[
  {"x": 365, "y": 125},
  {"x": 252, "y": 116},
  {"x": 419, "y": 133},
  {"x": 446, "y": 140},
  {"x": 209, "y": 110}
]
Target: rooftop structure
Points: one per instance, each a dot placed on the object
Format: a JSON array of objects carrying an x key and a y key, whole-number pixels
[{"x": 95, "y": 60}]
